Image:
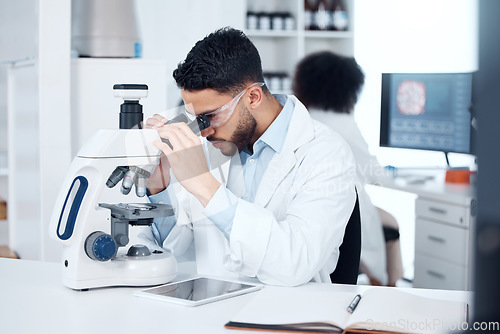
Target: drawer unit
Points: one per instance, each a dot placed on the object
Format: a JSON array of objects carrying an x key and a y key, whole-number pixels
[
  {"x": 449, "y": 213},
  {"x": 442, "y": 241},
  {"x": 433, "y": 273},
  {"x": 442, "y": 244}
]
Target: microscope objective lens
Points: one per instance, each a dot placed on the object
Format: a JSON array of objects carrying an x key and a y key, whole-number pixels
[
  {"x": 116, "y": 176},
  {"x": 128, "y": 182},
  {"x": 140, "y": 186}
]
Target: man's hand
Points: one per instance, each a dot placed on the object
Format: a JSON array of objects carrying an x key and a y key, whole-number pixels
[
  {"x": 187, "y": 160},
  {"x": 160, "y": 178}
]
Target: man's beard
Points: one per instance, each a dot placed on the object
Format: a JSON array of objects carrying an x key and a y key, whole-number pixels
[{"x": 241, "y": 136}]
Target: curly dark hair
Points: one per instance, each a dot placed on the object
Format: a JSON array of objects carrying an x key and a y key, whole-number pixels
[
  {"x": 225, "y": 60},
  {"x": 328, "y": 81}
]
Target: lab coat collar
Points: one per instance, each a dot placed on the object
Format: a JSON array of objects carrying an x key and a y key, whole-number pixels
[
  {"x": 301, "y": 128},
  {"x": 300, "y": 132}
]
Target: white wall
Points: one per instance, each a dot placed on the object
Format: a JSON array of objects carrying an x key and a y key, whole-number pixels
[
  {"x": 409, "y": 36},
  {"x": 169, "y": 29}
]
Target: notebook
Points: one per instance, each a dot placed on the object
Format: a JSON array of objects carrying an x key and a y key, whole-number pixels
[{"x": 311, "y": 309}]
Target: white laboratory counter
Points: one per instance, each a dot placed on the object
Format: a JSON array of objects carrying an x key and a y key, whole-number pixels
[
  {"x": 434, "y": 188},
  {"x": 33, "y": 300}
]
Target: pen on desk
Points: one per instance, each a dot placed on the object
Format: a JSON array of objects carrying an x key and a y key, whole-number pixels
[{"x": 352, "y": 306}]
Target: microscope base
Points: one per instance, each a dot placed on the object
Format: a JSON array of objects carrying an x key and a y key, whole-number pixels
[{"x": 124, "y": 270}]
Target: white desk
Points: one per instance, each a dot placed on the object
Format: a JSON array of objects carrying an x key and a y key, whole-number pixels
[
  {"x": 434, "y": 189},
  {"x": 32, "y": 300},
  {"x": 445, "y": 216}
]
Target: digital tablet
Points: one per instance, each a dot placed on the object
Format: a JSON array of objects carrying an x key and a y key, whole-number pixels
[{"x": 197, "y": 291}]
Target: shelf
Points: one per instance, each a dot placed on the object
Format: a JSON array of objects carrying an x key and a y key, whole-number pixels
[
  {"x": 271, "y": 33},
  {"x": 328, "y": 34},
  {"x": 281, "y": 50},
  {"x": 294, "y": 33}
]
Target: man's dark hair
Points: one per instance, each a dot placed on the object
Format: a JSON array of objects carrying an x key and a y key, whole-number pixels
[
  {"x": 327, "y": 81},
  {"x": 226, "y": 61}
]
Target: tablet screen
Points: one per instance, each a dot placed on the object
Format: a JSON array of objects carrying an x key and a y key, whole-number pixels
[{"x": 199, "y": 290}]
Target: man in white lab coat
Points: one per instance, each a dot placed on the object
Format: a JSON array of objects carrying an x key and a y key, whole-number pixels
[{"x": 278, "y": 209}]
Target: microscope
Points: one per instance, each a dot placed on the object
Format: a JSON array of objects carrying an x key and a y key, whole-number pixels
[{"x": 94, "y": 219}]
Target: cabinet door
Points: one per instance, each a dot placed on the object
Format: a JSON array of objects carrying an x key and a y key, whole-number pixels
[
  {"x": 449, "y": 213},
  {"x": 25, "y": 184},
  {"x": 445, "y": 242},
  {"x": 433, "y": 273}
]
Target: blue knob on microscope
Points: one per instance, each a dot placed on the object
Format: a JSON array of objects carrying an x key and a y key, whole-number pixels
[{"x": 100, "y": 246}]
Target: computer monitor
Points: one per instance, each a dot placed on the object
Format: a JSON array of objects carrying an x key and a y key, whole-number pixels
[{"x": 427, "y": 111}]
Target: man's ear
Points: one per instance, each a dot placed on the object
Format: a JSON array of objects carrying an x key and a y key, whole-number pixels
[{"x": 256, "y": 95}]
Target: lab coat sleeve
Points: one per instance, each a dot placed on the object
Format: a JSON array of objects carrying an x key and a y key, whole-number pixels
[
  {"x": 296, "y": 246},
  {"x": 174, "y": 233},
  {"x": 162, "y": 226},
  {"x": 221, "y": 209}
]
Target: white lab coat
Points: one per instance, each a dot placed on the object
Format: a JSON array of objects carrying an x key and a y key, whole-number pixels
[
  {"x": 368, "y": 171},
  {"x": 292, "y": 231}
]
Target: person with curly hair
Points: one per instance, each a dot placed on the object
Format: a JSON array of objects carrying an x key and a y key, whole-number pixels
[{"x": 329, "y": 85}]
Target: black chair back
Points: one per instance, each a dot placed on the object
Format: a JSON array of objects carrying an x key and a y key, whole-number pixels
[{"x": 347, "y": 269}]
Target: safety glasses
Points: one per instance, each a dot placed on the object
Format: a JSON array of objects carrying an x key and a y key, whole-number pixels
[{"x": 220, "y": 116}]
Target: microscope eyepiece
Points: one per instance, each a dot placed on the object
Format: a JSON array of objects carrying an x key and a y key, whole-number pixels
[
  {"x": 199, "y": 123},
  {"x": 202, "y": 122}
]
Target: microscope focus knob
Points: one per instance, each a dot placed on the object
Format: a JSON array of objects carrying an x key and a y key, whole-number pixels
[{"x": 100, "y": 246}]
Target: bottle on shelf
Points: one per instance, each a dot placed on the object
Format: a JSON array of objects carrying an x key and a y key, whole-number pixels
[
  {"x": 278, "y": 81},
  {"x": 264, "y": 21},
  {"x": 273, "y": 81},
  {"x": 252, "y": 20},
  {"x": 286, "y": 82},
  {"x": 289, "y": 23},
  {"x": 340, "y": 20},
  {"x": 310, "y": 8},
  {"x": 277, "y": 21},
  {"x": 323, "y": 15}
]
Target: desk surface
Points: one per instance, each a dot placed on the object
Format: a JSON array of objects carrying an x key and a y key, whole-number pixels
[
  {"x": 32, "y": 300},
  {"x": 434, "y": 188}
]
